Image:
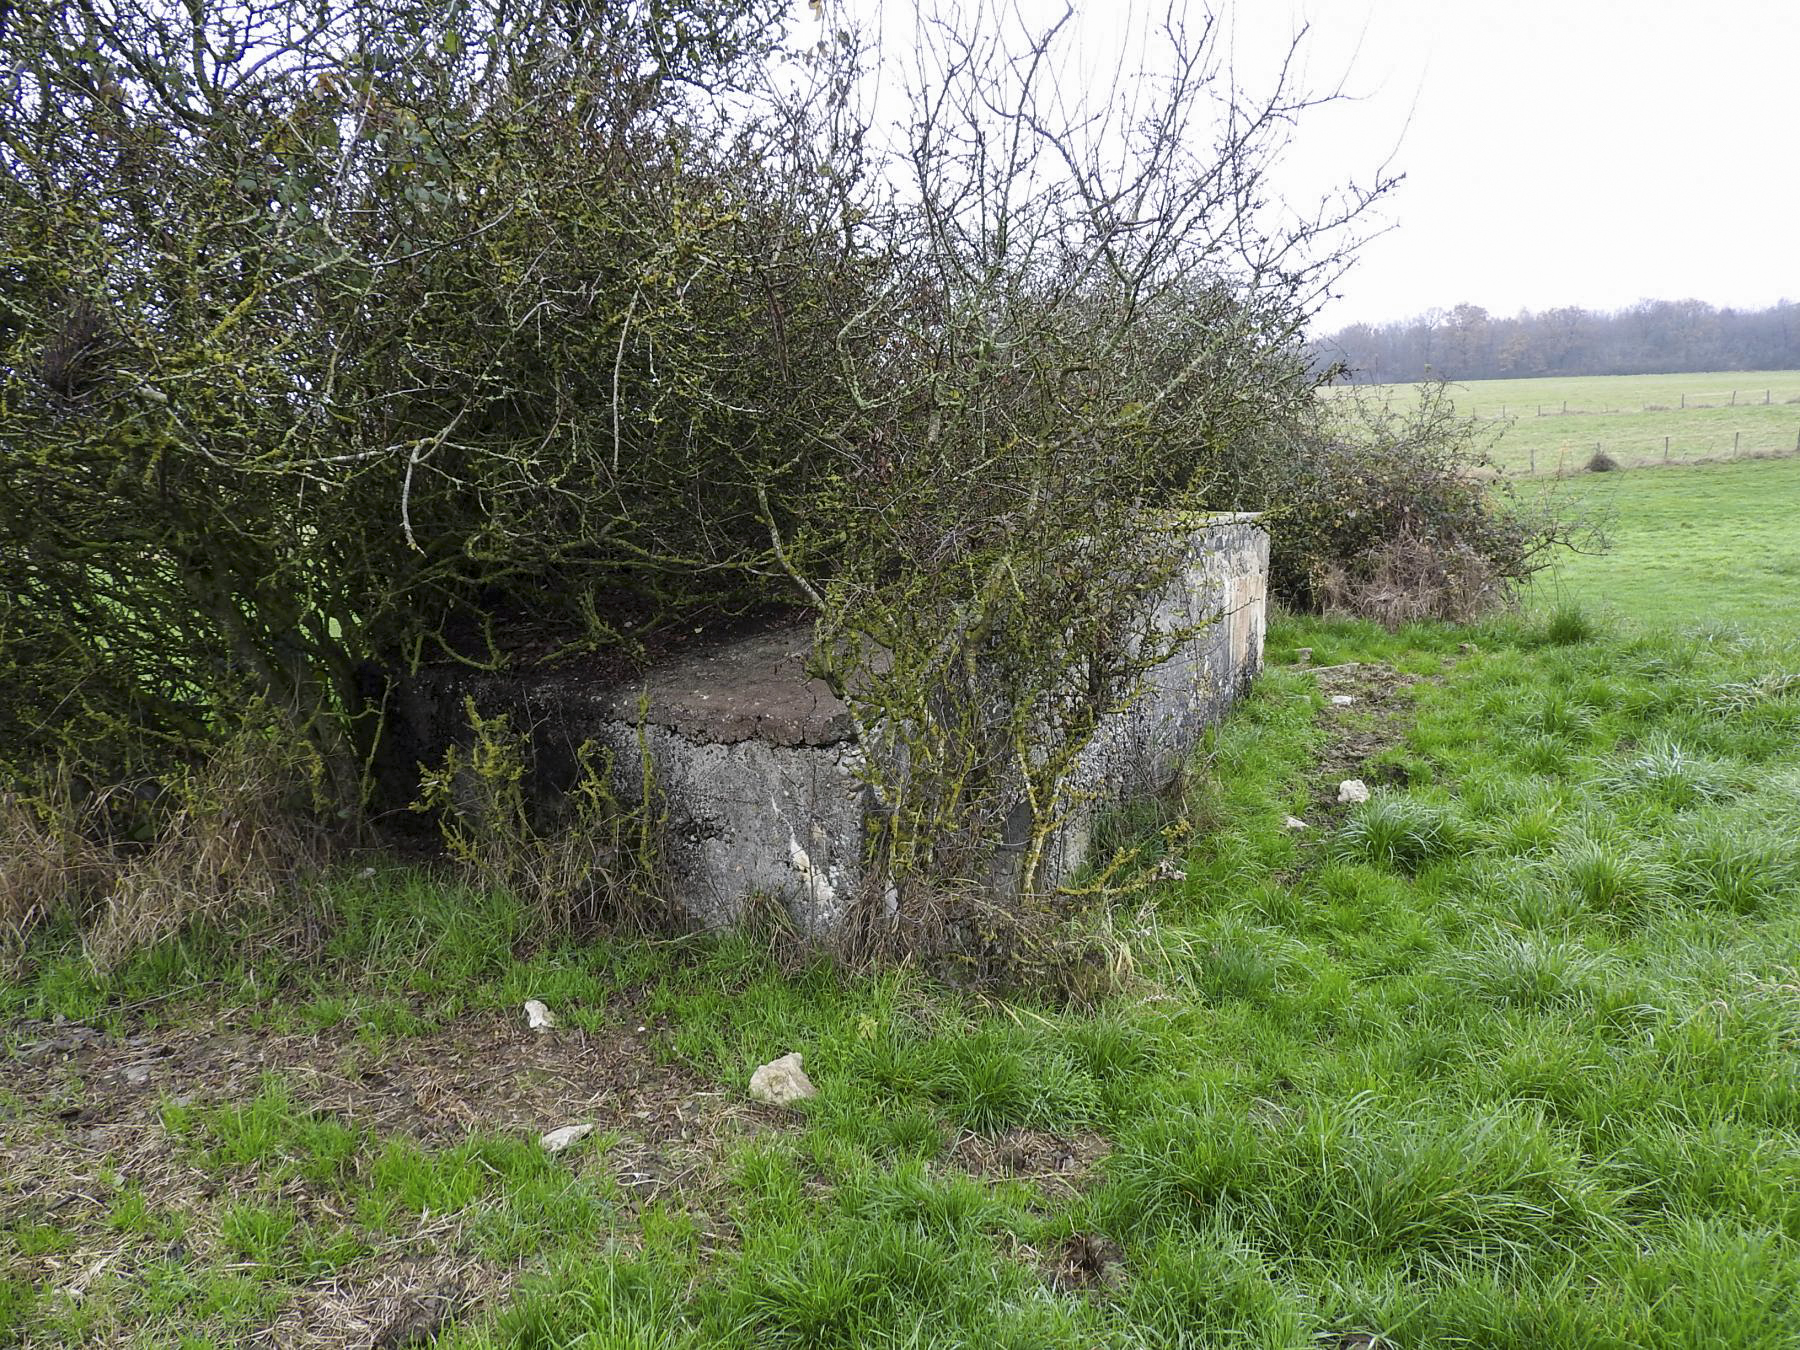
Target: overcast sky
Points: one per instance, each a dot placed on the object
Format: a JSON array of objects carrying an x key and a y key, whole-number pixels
[{"x": 1587, "y": 152}]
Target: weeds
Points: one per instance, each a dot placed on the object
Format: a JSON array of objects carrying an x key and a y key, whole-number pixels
[
  {"x": 600, "y": 862},
  {"x": 232, "y": 836}
]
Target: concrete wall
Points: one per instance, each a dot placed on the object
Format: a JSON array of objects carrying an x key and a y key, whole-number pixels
[{"x": 757, "y": 762}]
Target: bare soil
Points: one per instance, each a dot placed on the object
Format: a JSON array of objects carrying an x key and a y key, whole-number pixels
[{"x": 84, "y": 1113}]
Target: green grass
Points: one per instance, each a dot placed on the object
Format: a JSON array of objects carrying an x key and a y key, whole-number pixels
[
  {"x": 1631, "y": 416},
  {"x": 1509, "y": 1057},
  {"x": 1714, "y": 547}
]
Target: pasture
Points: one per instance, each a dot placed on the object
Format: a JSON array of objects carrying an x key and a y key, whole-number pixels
[
  {"x": 1549, "y": 426},
  {"x": 1718, "y": 544}
]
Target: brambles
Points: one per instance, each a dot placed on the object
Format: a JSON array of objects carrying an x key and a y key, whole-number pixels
[
  {"x": 1388, "y": 513},
  {"x": 480, "y": 333}
]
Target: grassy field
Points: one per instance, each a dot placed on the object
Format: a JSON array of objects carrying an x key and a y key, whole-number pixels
[
  {"x": 1719, "y": 544},
  {"x": 1508, "y": 1056},
  {"x": 1635, "y": 419}
]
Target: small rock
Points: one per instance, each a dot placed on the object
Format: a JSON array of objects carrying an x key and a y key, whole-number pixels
[
  {"x": 1303, "y": 656},
  {"x": 1169, "y": 870},
  {"x": 1342, "y": 700},
  {"x": 1295, "y": 823},
  {"x": 781, "y": 1081},
  {"x": 537, "y": 1016},
  {"x": 559, "y": 1139},
  {"x": 1353, "y": 790},
  {"x": 137, "y": 1075},
  {"x": 367, "y": 874},
  {"x": 1466, "y": 647}
]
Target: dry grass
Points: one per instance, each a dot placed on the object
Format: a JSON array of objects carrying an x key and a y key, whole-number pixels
[
  {"x": 1410, "y": 578},
  {"x": 239, "y": 832},
  {"x": 50, "y": 860}
]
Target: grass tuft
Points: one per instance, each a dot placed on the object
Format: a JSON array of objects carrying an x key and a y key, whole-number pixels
[
  {"x": 1665, "y": 772},
  {"x": 1399, "y": 831}
]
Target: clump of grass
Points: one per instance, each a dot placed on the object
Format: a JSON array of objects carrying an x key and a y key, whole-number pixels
[
  {"x": 1531, "y": 830},
  {"x": 1666, "y": 772},
  {"x": 1740, "y": 866},
  {"x": 1608, "y": 877},
  {"x": 1530, "y": 970},
  {"x": 1399, "y": 831},
  {"x": 1542, "y": 753},
  {"x": 1568, "y": 625},
  {"x": 1733, "y": 697},
  {"x": 1004, "y": 1077},
  {"x": 1555, "y": 713}
]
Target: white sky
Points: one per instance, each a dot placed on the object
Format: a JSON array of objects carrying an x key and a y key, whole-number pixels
[{"x": 1587, "y": 152}]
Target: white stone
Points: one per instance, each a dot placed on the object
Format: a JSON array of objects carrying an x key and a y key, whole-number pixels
[
  {"x": 559, "y": 1139},
  {"x": 1353, "y": 790},
  {"x": 537, "y": 1016},
  {"x": 1343, "y": 700},
  {"x": 1295, "y": 823},
  {"x": 781, "y": 1081}
]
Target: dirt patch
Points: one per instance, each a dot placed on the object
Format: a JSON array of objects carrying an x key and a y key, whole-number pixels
[
  {"x": 1056, "y": 1163},
  {"x": 1376, "y": 718},
  {"x": 83, "y": 1118},
  {"x": 1087, "y": 1263},
  {"x": 487, "y": 1073}
]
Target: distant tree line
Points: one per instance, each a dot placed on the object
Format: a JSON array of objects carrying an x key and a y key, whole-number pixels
[{"x": 1651, "y": 337}]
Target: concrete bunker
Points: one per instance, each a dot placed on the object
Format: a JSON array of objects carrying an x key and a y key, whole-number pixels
[{"x": 758, "y": 761}]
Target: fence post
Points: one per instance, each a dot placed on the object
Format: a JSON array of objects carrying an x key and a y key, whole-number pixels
[
  {"x": 1734, "y": 398},
  {"x": 1684, "y": 400},
  {"x": 1734, "y": 443},
  {"x": 1665, "y": 449},
  {"x": 1534, "y": 454}
]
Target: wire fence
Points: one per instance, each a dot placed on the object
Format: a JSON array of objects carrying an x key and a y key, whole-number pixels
[
  {"x": 1728, "y": 398},
  {"x": 1641, "y": 452}
]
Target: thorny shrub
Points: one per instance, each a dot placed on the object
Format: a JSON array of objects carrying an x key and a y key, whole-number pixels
[
  {"x": 346, "y": 338},
  {"x": 1394, "y": 512}
]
